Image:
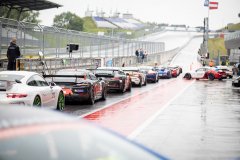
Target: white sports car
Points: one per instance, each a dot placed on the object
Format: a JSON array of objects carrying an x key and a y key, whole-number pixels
[{"x": 30, "y": 89}]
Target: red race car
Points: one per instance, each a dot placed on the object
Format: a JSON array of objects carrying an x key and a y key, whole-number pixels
[
  {"x": 206, "y": 73},
  {"x": 174, "y": 71}
]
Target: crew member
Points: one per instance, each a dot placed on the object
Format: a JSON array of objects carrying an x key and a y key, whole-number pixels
[
  {"x": 223, "y": 63},
  {"x": 227, "y": 63},
  {"x": 203, "y": 62},
  {"x": 13, "y": 53},
  {"x": 211, "y": 63}
]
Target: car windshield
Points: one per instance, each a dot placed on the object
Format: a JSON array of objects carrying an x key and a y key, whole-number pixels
[
  {"x": 87, "y": 143},
  {"x": 70, "y": 73}
]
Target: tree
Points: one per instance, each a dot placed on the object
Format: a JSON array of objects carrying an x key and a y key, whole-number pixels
[
  {"x": 68, "y": 20},
  {"x": 76, "y": 24},
  {"x": 62, "y": 20},
  {"x": 29, "y": 16}
]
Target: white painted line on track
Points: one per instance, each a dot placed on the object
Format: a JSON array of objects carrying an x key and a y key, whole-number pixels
[
  {"x": 121, "y": 100},
  {"x": 154, "y": 116}
]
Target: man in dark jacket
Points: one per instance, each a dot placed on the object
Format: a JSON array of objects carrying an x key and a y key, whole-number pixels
[
  {"x": 239, "y": 69},
  {"x": 12, "y": 54},
  {"x": 137, "y": 52},
  {"x": 223, "y": 63}
]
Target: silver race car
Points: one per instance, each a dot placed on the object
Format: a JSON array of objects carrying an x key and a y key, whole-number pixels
[{"x": 30, "y": 89}]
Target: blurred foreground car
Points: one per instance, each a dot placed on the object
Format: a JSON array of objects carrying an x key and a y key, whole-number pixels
[
  {"x": 80, "y": 85},
  {"x": 206, "y": 73},
  {"x": 227, "y": 70},
  {"x": 236, "y": 82},
  {"x": 29, "y": 88},
  {"x": 152, "y": 75},
  {"x": 38, "y": 134},
  {"x": 137, "y": 77}
]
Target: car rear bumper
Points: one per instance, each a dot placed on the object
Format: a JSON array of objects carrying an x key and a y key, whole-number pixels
[
  {"x": 135, "y": 81},
  {"x": 17, "y": 101},
  {"x": 76, "y": 97}
]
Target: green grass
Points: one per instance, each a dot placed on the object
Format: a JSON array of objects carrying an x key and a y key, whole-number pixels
[
  {"x": 215, "y": 45},
  {"x": 234, "y": 27}
]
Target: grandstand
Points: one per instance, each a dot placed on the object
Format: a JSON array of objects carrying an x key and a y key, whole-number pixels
[
  {"x": 101, "y": 23},
  {"x": 129, "y": 24}
]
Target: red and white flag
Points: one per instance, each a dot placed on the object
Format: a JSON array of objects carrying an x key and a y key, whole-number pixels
[{"x": 213, "y": 5}]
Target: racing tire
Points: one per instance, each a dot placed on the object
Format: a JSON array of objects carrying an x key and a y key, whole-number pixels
[
  {"x": 122, "y": 90},
  {"x": 37, "y": 102},
  {"x": 130, "y": 87},
  {"x": 61, "y": 101},
  {"x": 220, "y": 79},
  {"x": 180, "y": 70},
  {"x": 211, "y": 76},
  {"x": 188, "y": 76},
  {"x": 91, "y": 97},
  {"x": 145, "y": 83},
  {"x": 155, "y": 81},
  {"x": 104, "y": 94}
]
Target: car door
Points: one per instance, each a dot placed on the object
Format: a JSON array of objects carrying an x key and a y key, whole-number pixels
[
  {"x": 200, "y": 73},
  {"x": 48, "y": 94}
]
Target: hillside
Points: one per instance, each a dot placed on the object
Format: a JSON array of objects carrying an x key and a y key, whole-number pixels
[
  {"x": 89, "y": 26},
  {"x": 234, "y": 27}
]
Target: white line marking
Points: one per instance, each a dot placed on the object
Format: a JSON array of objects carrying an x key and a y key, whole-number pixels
[
  {"x": 154, "y": 116},
  {"x": 86, "y": 114}
]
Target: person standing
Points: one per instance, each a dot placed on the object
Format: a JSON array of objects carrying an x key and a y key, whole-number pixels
[
  {"x": 203, "y": 62},
  {"x": 223, "y": 63},
  {"x": 123, "y": 64},
  {"x": 239, "y": 69},
  {"x": 227, "y": 63},
  {"x": 211, "y": 63},
  {"x": 137, "y": 52},
  {"x": 13, "y": 53},
  {"x": 141, "y": 55}
]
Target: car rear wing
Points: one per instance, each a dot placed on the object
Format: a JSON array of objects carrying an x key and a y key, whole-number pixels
[
  {"x": 68, "y": 76},
  {"x": 104, "y": 75}
]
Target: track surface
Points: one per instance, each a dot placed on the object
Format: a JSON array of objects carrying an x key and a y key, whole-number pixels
[{"x": 195, "y": 119}]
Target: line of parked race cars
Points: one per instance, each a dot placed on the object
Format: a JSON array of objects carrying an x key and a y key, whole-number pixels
[{"x": 89, "y": 85}]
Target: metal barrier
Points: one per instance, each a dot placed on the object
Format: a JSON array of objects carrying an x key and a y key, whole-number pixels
[{"x": 52, "y": 41}]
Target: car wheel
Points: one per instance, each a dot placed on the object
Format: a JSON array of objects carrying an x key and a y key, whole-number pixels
[
  {"x": 130, "y": 87},
  {"x": 188, "y": 76},
  {"x": 123, "y": 88},
  {"x": 91, "y": 97},
  {"x": 157, "y": 78},
  {"x": 211, "y": 77},
  {"x": 61, "y": 101},
  {"x": 220, "y": 79},
  {"x": 230, "y": 76},
  {"x": 104, "y": 94},
  {"x": 145, "y": 83},
  {"x": 37, "y": 102},
  {"x": 180, "y": 70}
]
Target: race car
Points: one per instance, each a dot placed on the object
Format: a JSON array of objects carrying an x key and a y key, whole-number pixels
[
  {"x": 114, "y": 78},
  {"x": 163, "y": 72},
  {"x": 179, "y": 67},
  {"x": 236, "y": 82},
  {"x": 80, "y": 85},
  {"x": 206, "y": 73},
  {"x": 137, "y": 78},
  {"x": 30, "y": 89},
  {"x": 152, "y": 75},
  {"x": 227, "y": 70},
  {"x": 174, "y": 71}
]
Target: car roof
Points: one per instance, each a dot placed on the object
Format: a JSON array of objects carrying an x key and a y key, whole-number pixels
[
  {"x": 10, "y": 117},
  {"x": 23, "y": 73}
]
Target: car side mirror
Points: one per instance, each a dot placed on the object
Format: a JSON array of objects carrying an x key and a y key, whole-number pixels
[
  {"x": 51, "y": 84},
  {"x": 127, "y": 74},
  {"x": 18, "y": 81},
  {"x": 100, "y": 78}
]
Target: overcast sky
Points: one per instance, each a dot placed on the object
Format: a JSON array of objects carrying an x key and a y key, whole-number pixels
[{"x": 189, "y": 12}]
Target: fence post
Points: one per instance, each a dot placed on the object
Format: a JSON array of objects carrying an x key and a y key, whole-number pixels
[{"x": 128, "y": 48}]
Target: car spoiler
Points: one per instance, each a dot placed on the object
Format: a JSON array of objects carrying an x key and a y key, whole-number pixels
[
  {"x": 4, "y": 84},
  {"x": 103, "y": 75},
  {"x": 75, "y": 76}
]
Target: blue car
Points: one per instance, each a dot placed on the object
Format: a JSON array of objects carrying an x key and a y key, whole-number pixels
[
  {"x": 163, "y": 72},
  {"x": 150, "y": 72}
]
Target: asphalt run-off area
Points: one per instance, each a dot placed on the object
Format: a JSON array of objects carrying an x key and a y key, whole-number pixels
[{"x": 179, "y": 118}]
